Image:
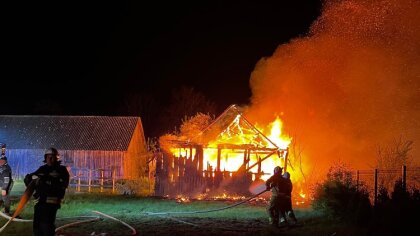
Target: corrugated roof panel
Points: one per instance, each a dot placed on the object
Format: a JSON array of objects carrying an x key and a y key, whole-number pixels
[{"x": 67, "y": 132}]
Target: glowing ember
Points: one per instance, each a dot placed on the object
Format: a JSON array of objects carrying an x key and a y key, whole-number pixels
[
  {"x": 182, "y": 199},
  {"x": 225, "y": 197},
  {"x": 302, "y": 195}
]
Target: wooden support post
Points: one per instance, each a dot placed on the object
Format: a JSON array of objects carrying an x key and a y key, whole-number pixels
[
  {"x": 219, "y": 153},
  {"x": 200, "y": 158},
  {"x": 248, "y": 158},
  {"x": 375, "y": 197},
  {"x": 404, "y": 177},
  {"x": 286, "y": 159}
]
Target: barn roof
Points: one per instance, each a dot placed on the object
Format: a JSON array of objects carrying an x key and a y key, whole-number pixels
[
  {"x": 233, "y": 127},
  {"x": 67, "y": 132}
]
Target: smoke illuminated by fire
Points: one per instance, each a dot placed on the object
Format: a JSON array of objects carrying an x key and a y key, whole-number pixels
[{"x": 351, "y": 84}]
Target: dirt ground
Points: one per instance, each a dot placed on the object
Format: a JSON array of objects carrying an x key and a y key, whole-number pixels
[{"x": 182, "y": 226}]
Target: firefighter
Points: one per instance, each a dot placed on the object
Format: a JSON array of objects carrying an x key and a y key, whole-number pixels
[
  {"x": 277, "y": 184},
  {"x": 51, "y": 181},
  {"x": 5, "y": 183},
  {"x": 288, "y": 204}
]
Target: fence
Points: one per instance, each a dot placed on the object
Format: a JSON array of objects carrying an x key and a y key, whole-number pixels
[
  {"x": 82, "y": 179},
  {"x": 378, "y": 179}
]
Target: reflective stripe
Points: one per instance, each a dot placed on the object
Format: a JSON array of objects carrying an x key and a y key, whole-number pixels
[
  {"x": 53, "y": 200},
  {"x": 6, "y": 180}
]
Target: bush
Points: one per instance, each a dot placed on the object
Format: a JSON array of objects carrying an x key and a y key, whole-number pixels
[
  {"x": 340, "y": 199},
  {"x": 140, "y": 187},
  {"x": 399, "y": 212},
  {"x": 394, "y": 214}
]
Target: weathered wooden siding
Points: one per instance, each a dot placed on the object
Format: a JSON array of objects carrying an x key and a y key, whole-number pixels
[
  {"x": 94, "y": 160},
  {"x": 24, "y": 161},
  {"x": 135, "y": 159}
]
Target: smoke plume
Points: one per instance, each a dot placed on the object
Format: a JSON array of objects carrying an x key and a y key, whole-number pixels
[{"x": 350, "y": 85}]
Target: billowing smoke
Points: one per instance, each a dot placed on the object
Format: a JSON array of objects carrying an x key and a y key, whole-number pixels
[{"x": 350, "y": 85}]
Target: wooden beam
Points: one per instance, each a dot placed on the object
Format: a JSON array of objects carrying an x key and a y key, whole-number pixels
[
  {"x": 256, "y": 163},
  {"x": 219, "y": 153}
]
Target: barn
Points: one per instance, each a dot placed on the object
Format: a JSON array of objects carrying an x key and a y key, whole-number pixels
[
  {"x": 227, "y": 155},
  {"x": 88, "y": 145}
]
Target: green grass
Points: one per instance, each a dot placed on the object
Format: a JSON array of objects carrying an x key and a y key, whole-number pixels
[{"x": 245, "y": 219}]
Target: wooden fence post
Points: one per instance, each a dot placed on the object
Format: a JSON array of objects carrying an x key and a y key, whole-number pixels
[
  {"x": 113, "y": 179},
  {"x": 357, "y": 179},
  {"x": 376, "y": 187},
  {"x": 90, "y": 180},
  {"x": 102, "y": 180},
  {"x": 78, "y": 180},
  {"x": 404, "y": 177}
]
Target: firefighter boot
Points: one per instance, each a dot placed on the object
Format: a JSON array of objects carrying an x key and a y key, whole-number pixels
[
  {"x": 292, "y": 216},
  {"x": 283, "y": 221},
  {"x": 273, "y": 221}
]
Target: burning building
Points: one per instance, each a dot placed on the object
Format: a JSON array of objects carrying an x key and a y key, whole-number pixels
[{"x": 229, "y": 154}]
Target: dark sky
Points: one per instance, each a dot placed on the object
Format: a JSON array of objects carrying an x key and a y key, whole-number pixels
[{"x": 82, "y": 58}]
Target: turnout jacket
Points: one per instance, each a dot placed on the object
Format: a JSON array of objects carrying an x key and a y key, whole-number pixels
[
  {"x": 51, "y": 183},
  {"x": 5, "y": 177},
  {"x": 277, "y": 184},
  {"x": 289, "y": 187}
]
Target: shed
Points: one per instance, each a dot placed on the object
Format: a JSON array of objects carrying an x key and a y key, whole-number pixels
[{"x": 89, "y": 142}]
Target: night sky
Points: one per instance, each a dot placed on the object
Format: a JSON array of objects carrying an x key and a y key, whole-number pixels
[{"x": 84, "y": 58}]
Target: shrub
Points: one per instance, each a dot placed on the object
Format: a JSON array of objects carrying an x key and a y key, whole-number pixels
[
  {"x": 399, "y": 212},
  {"x": 340, "y": 199},
  {"x": 139, "y": 187}
]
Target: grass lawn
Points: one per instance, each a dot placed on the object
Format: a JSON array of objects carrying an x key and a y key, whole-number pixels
[{"x": 246, "y": 219}]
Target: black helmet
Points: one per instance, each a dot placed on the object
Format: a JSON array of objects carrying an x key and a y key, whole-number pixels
[
  {"x": 277, "y": 169},
  {"x": 3, "y": 157}
]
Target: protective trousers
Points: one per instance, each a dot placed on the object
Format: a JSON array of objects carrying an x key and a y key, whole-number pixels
[
  {"x": 273, "y": 210},
  {"x": 6, "y": 201},
  {"x": 44, "y": 219}
]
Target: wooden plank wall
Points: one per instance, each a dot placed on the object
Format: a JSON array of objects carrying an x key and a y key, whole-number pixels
[
  {"x": 94, "y": 160},
  {"x": 135, "y": 165},
  {"x": 24, "y": 161},
  {"x": 184, "y": 175}
]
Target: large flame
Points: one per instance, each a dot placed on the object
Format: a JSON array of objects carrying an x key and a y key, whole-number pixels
[{"x": 231, "y": 161}]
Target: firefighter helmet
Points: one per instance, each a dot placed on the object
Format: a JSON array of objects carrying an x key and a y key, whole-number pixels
[
  {"x": 3, "y": 157},
  {"x": 51, "y": 151},
  {"x": 286, "y": 175},
  {"x": 277, "y": 169}
]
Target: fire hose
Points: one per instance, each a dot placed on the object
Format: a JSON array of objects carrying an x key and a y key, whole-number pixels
[
  {"x": 206, "y": 211},
  {"x": 27, "y": 195},
  {"x": 28, "y": 192}
]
